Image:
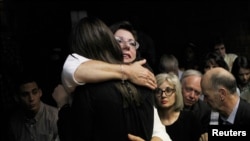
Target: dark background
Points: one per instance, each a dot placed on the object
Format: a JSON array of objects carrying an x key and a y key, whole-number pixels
[{"x": 34, "y": 34}]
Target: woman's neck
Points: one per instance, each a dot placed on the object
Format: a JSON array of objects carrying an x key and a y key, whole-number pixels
[{"x": 168, "y": 116}]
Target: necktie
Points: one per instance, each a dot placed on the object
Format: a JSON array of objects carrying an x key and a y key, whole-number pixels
[{"x": 227, "y": 123}]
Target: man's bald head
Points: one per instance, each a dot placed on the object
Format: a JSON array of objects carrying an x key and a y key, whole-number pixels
[{"x": 219, "y": 77}]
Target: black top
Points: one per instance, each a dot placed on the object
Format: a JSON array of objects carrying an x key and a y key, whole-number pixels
[
  {"x": 185, "y": 128},
  {"x": 99, "y": 113}
]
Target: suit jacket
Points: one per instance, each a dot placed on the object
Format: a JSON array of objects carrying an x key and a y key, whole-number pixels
[
  {"x": 242, "y": 117},
  {"x": 202, "y": 111}
]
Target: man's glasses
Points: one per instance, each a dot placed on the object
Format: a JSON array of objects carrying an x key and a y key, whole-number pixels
[
  {"x": 168, "y": 91},
  {"x": 131, "y": 43}
]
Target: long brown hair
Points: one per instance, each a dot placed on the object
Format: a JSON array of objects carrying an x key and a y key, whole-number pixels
[{"x": 92, "y": 38}]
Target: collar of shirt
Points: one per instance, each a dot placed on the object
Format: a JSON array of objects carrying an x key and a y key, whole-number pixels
[{"x": 231, "y": 117}]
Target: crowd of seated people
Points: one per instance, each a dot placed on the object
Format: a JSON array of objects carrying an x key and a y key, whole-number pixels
[{"x": 185, "y": 98}]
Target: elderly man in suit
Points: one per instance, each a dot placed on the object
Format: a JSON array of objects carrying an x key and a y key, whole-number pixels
[{"x": 219, "y": 89}]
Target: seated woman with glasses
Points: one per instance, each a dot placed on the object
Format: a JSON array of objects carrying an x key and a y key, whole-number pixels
[{"x": 179, "y": 124}]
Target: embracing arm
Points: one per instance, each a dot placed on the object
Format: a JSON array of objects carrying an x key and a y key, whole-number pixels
[
  {"x": 78, "y": 70},
  {"x": 94, "y": 71}
]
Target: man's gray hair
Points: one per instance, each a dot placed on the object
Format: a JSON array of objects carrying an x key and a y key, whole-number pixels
[{"x": 190, "y": 72}]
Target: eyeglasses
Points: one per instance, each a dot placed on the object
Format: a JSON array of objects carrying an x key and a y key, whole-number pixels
[
  {"x": 168, "y": 91},
  {"x": 131, "y": 43}
]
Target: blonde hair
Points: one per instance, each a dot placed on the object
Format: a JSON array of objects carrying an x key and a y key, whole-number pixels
[{"x": 172, "y": 79}]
